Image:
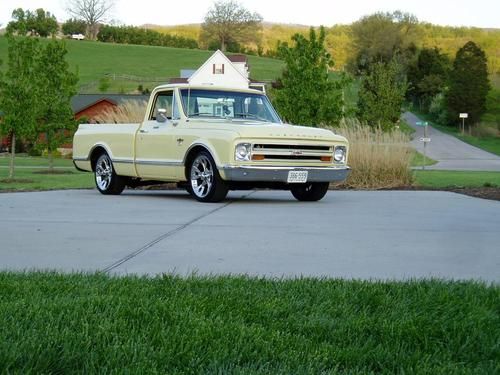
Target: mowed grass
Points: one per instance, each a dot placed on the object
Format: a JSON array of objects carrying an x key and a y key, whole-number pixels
[
  {"x": 95, "y": 59},
  {"x": 447, "y": 179},
  {"x": 54, "y": 323},
  {"x": 28, "y": 178},
  {"x": 418, "y": 160}
]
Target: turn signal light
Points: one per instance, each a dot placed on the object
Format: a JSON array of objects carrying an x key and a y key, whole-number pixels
[
  {"x": 326, "y": 158},
  {"x": 257, "y": 157}
]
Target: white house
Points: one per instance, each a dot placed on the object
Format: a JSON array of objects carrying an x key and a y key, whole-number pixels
[{"x": 221, "y": 70}]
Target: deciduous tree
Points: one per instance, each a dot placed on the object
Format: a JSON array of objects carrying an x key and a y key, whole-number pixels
[
  {"x": 18, "y": 92},
  {"x": 74, "y": 26},
  {"x": 38, "y": 23},
  {"x": 307, "y": 95},
  {"x": 229, "y": 22},
  {"x": 92, "y": 12},
  {"x": 55, "y": 87},
  {"x": 381, "y": 36},
  {"x": 469, "y": 84},
  {"x": 382, "y": 94}
]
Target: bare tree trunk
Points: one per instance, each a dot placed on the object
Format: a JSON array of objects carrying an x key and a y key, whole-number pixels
[
  {"x": 51, "y": 160},
  {"x": 223, "y": 45},
  {"x": 12, "y": 155}
]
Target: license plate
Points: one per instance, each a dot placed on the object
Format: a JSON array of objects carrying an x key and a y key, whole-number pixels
[{"x": 297, "y": 177}]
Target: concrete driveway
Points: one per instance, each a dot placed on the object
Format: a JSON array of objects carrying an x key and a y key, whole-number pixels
[
  {"x": 450, "y": 152},
  {"x": 349, "y": 234}
]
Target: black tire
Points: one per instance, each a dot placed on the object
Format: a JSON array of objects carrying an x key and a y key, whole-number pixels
[
  {"x": 310, "y": 192},
  {"x": 205, "y": 183},
  {"x": 106, "y": 180}
]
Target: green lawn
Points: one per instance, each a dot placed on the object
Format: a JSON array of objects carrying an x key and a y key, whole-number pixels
[
  {"x": 95, "y": 59},
  {"x": 418, "y": 160},
  {"x": 445, "y": 179},
  {"x": 26, "y": 179},
  {"x": 29, "y": 161},
  {"x": 55, "y": 323}
]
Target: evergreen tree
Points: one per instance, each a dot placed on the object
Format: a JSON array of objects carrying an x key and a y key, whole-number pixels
[
  {"x": 382, "y": 94},
  {"x": 55, "y": 87},
  {"x": 307, "y": 95},
  {"x": 18, "y": 92},
  {"x": 428, "y": 76},
  {"x": 469, "y": 84}
]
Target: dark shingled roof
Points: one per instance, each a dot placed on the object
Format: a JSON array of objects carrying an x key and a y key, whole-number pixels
[
  {"x": 237, "y": 58},
  {"x": 178, "y": 80},
  {"x": 82, "y": 101}
]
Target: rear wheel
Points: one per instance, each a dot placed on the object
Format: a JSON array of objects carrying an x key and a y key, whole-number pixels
[
  {"x": 106, "y": 180},
  {"x": 205, "y": 183},
  {"x": 309, "y": 192}
]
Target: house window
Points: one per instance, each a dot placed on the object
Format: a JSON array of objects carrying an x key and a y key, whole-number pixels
[{"x": 218, "y": 68}]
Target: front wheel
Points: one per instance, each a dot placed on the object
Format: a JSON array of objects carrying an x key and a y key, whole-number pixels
[
  {"x": 106, "y": 180},
  {"x": 205, "y": 183},
  {"x": 309, "y": 192}
]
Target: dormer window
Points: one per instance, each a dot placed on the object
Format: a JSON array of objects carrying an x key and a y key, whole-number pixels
[{"x": 218, "y": 68}]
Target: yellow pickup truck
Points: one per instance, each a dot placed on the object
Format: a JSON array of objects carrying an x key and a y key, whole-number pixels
[{"x": 211, "y": 140}]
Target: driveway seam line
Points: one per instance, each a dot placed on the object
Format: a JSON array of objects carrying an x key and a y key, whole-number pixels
[{"x": 166, "y": 235}]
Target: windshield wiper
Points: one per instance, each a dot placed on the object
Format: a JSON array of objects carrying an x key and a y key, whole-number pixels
[{"x": 250, "y": 115}]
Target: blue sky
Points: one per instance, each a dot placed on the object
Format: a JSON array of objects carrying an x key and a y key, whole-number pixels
[{"x": 480, "y": 13}]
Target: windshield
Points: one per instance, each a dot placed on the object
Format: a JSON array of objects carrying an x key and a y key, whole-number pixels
[{"x": 228, "y": 104}]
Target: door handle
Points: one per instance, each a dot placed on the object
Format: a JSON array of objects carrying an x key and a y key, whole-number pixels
[{"x": 143, "y": 131}]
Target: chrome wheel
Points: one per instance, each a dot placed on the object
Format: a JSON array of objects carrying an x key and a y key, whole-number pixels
[
  {"x": 202, "y": 176},
  {"x": 103, "y": 172}
]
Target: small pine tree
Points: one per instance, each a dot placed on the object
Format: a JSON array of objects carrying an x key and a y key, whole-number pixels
[
  {"x": 382, "y": 94},
  {"x": 307, "y": 95},
  {"x": 469, "y": 85}
]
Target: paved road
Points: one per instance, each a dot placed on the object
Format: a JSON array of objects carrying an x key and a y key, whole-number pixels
[
  {"x": 450, "y": 152},
  {"x": 349, "y": 234}
]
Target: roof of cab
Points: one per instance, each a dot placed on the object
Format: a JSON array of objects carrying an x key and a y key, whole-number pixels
[{"x": 204, "y": 87}]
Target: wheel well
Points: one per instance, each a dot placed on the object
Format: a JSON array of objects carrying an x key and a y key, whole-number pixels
[
  {"x": 190, "y": 157},
  {"x": 96, "y": 152}
]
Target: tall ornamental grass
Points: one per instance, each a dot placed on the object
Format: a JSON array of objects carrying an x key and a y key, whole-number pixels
[
  {"x": 379, "y": 160},
  {"x": 128, "y": 112}
]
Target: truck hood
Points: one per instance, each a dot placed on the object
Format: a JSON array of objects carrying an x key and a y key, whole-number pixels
[{"x": 259, "y": 130}]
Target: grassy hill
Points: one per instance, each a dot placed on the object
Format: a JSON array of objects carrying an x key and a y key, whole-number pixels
[{"x": 148, "y": 64}]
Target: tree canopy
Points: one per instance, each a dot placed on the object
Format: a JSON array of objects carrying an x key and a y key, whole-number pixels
[
  {"x": 37, "y": 23},
  {"x": 382, "y": 94},
  {"x": 74, "y": 26},
  {"x": 55, "y": 87},
  {"x": 469, "y": 84},
  {"x": 18, "y": 92},
  {"x": 381, "y": 36},
  {"x": 307, "y": 95},
  {"x": 92, "y": 12},
  {"x": 228, "y": 22},
  {"x": 428, "y": 76}
]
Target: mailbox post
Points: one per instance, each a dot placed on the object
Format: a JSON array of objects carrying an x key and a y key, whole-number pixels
[{"x": 463, "y": 116}]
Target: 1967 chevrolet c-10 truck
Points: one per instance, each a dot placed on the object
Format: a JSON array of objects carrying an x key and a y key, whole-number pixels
[{"x": 211, "y": 140}]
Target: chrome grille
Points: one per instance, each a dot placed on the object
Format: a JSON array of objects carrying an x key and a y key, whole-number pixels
[{"x": 310, "y": 153}]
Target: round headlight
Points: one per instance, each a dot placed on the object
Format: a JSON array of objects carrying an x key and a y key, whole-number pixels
[
  {"x": 339, "y": 154},
  {"x": 242, "y": 151}
]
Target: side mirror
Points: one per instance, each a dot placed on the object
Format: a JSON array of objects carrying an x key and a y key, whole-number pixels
[{"x": 161, "y": 115}]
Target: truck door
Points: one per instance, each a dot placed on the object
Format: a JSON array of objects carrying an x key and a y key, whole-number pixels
[{"x": 154, "y": 149}]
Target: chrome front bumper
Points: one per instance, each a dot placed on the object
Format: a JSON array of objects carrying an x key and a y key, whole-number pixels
[{"x": 280, "y": 174}]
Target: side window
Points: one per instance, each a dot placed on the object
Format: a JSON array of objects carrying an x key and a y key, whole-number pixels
[{"x": 163, "y": 100}]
